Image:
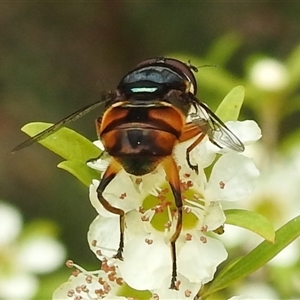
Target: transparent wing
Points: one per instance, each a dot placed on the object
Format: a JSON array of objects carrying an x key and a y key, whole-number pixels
[
  {"x": 217, "y": 132},
  {"x": 72, "y": 117}
]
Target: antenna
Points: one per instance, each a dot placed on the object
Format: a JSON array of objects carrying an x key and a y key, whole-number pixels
[{"x": 196, "y": 69}]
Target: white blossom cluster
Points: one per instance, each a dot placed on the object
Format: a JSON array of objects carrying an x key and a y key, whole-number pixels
[{"x": 151, "y": 219}]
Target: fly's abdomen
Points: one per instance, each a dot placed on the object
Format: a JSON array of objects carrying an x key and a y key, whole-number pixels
[
  {"x": 138, "y": 141},
  {"x": 139, "y": 151}
]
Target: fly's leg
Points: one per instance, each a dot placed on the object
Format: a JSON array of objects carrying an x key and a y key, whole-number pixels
[
  {"x": 108, "y": 176},
  {"x": 189, "y": 149},
  {"x": 174, "y": 181},
  {"x": 190, "y": 131}
]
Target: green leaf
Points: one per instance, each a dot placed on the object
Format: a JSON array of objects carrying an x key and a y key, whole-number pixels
[
  {"x": 230, "y": 107},
  {"x": 291, "y": 142},
  {"x": 293, "y": 66},
  {"x": 80, "y": 170},
  {"x": 224, "y": 48},
  {"x": 252, "y": 221},
  {"x": 258, "y": 257},
  {"x": 65, "y": 142}
]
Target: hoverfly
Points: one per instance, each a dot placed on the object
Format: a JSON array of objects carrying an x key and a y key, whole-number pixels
[{"x": 152, "y": 110}]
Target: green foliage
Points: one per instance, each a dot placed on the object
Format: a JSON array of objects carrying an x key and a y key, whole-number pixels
[
  {"x": 65, "y": 142},
  {"x": 258, "y": 257},
  {"x": 80, "y": 170},
  {"x": 70, "y": 145},
  {"x": 230, "y": 107},
  {"x": 252, "y": 221}
]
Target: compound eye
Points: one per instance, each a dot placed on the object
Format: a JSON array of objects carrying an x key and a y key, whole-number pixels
[
  {"x": 150, "y": 61},
  {"x": 184, "y": 69}
]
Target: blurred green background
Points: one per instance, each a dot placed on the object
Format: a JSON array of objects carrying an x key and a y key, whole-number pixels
[{"x": 56, "y": 57}]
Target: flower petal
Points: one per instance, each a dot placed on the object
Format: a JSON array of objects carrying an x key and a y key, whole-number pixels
[
  {"x": 233, "y": 178},
  {"x": 186, "y": 289},
  {"x": 199, "y": 257},
  {"x": 147, "y": 262},
  {"x": 120, "y": 193},
  {"x": 214, "y": 216},
  {"x": 201, "y": 154},
  {"x": 104, "y": 236},
  {"x": 247, "y": 131},
  {"x": 86, "y": 287}
]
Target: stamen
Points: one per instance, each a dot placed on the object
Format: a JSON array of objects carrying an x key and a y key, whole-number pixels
[
  {"x": 141, "y": 210},
  {"x": 177, "y": 284},
  {"x": 149, "y": 214},
  {"x": 99, "y": 292},
  {"x": 155, "y": 297},
  {"x": 70, "y": 293},
  {"x": 119, "y": 281},
  {"x": 203, "y": 239},
  {"x": 168, "y": 224},
  {"x": 204, "y": 228},
  {"x": 138, "y": 180},
  {"x": 145, "y": 218},
  {"x": 169, "y": 214},
  {"x": 149, "y": 241},
  {"x": 70, "y": 263},
  {"x": 188, "y": 237},
  {"x": 187, "y": 209},
  {"x": 123, "y": 196},
  {"x": 222, "y": 184},
  {"x": 199, "y": 205},
  {"x": 89, "y": 279}
]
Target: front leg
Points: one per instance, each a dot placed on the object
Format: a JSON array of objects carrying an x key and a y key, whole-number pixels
[{"x": 108, "y": 176}]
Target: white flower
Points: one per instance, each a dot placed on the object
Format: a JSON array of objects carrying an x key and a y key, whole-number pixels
[
  {"x": 18, "y": 286},
  {"x": 233, "y": 178},
  {"x": 41, "y": 254},
  {"x": 247, "y": 131},
  {"x": 121, "y": 193},
  {"x": 104, "y": 236},
  {"x": 151, "y": 218},
  {"x": 24, "y": 257},
  {"x": 85, "y": 285},
  {"x": 101, "y": 163},
  {"x": 269, "y": 74},
  {"x": 147, "y": 260},
  {"x": 10, "y": 223}
]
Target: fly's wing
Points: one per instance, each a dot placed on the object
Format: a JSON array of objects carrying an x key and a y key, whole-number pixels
[
  {"x": 217, "y": 132},
  {"x": 72, "y": 117}
]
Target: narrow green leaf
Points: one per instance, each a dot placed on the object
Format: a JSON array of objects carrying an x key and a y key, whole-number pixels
[
  {"x": 252, "y": 221},
  {"x": 65, "y": 142},
  {"x": 224, "y": 48},
  {"x": 293, "y": 66},
  {"x": 291, "y": 142},
  {"x": 80, "y": 170},
  {"x": 258, "y": 257},
  {"x": 229, "y": 108}
]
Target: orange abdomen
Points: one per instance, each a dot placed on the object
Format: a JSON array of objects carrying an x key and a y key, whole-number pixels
[{"x": 139, "y": 138}]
